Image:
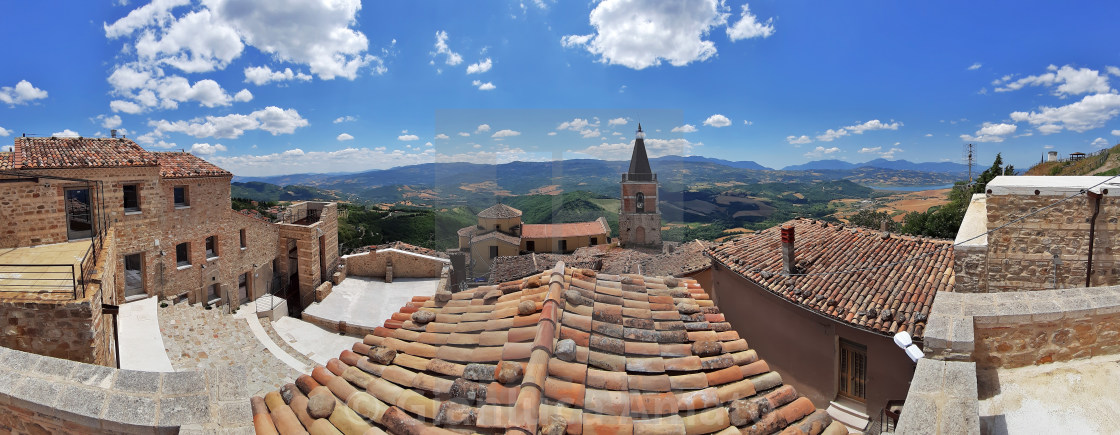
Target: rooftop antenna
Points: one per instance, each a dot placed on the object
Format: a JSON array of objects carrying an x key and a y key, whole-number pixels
[{"x": 970, "y": 153}]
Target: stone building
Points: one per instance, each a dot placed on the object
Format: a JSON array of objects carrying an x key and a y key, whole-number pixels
[
  {"x": 500, "y": 233},
  {"x": 104, "y": 212},
  {"x": 564, "y": 351},
  {"x": 823, "y": 301},
  {"x": 639, "y": 220}
]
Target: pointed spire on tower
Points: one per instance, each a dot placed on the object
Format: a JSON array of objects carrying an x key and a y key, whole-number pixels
[{"x": 639, "y": 162}]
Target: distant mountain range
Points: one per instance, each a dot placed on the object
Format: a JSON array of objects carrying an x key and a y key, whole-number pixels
[{"x": 903, "y": 165}]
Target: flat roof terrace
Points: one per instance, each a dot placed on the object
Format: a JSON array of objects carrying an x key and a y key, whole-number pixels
[{"x": 43, "y": 273}]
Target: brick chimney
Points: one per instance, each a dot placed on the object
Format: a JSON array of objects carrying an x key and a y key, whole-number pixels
[{"x": 789, "y": 257}]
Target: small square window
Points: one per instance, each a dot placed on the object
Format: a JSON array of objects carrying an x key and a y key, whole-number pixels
[
  {"x": 182, "y": 197},
  {"x": 211, "y": 247},
  {"x": 131, "y": 198},
  {"x": 493, "y": 251},
  {"x": 244, "y": 242},
  {"x": 183, "y": 254}
]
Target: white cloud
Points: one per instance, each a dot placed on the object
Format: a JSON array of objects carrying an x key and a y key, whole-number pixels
[
  {"x": 483, "y": 86},
  {"x": 476, "y": 146},
  {"x": 1069, "y": 81},
  {"x": 687, "y": 128},
  {"x": 717, "y": 120},
  {"x": 465, "y": 134},
  {"x": 205, "y": 149},
  {"x": 822, "y": 151},
  {"x": 243, "y": 96},
  {"x": 147, "y": 87},
  {"x": 452, "y": 58},
  {"x": 929, "y": 134},
  {"x": 294, "y": 152},
  {"x": 442, "y": 136},
  {"x": 1099, "y": 142},
  {"x": 617, "y": 121},
  {"x": 271, "y": 119},
  {"x": 346, "y": 118},
  {"x": 5, "y": 132},
  {"x": 654, "y": 147},
  {"x": 125, "y": 107},
  {"x": 344, "y": 137},
  {"x": 794, "y": 140},
  {"x": 888, "y": 154},
  {"x": 156, "y": 11},
  {"x": 990, "y": 132},
  {"x": 1091, "y": 112},
  {"x": 408, "y": 137},
  {"x": 576, "y": 124},
  {"x": 193, "y": 43},
  {"x": 873, "y": 124},
  {"x": 552, "y": 133},
  {"x": 261, "y": 75},
  {"x": 109, "y": 121},
  {"x": 1116, "y": 132},
  {"x": 831, "y": 135},
  {"x": 23, "y": 93},
  {"x": 749, "y": 27},
  {"x": 745, "y": 122},
  {"x": 866, "y": 150},
  {"x": 642, "y": 33},
  {"x": 480, "y": 67},
  {"x": 65, "y": 133},
  {"x": 505, "y": 133},
  {"x": 1048, "y": 147},
  {"x": 482, "y": 128},
  {"x": 975, "y": 66}
]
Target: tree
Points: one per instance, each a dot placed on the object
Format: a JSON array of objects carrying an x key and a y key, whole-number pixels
[
  {"x": 872, "y": 219},
  {"x": 944, "y": 221}
]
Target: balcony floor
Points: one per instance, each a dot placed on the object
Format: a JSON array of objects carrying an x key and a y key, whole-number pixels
[{"x": 49, "y": 271}]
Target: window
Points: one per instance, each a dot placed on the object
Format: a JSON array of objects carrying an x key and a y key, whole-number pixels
[
  {"x": 183, "y": 254},
  {"x": 853, "y": 371},
  {"x": 563, "y": 245},
  {"x": 530, "y": 245},
  {"x": 133, "y": 276},
  {"x": 244, "y": 243},
  {"x": 493, "y": 251},
  {"x": 498, "y": 227},
  {"x": 243, "y": 288},
  {"x": 211, "y": 247},
  {"x": 594, "y": 241},
  {"x": 131, "y": 198},
  {"x": 182, "y": 197},
  {"x": 641, "y": 202}
]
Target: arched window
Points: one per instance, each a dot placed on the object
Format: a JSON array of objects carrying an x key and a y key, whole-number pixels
[{"x": 641, "y": 202}]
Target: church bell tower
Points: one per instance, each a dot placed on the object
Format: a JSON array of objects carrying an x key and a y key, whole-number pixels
[{"x": 639, "y": 220}]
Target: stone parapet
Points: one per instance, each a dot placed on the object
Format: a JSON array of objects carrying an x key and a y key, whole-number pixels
[
  {"x": 50, "y": 395},
  {"x": 942, "y": 400}
]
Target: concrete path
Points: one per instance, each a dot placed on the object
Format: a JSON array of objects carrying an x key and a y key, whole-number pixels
[
  {"x": 262, "y": 336},
  {"x": 314, "y": 342},
  {"x": 141, "y": 344},
  {"x": 370, "y": 301}
]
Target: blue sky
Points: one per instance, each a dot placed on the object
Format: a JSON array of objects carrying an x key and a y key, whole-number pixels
[{"x": 281, "y": 86}]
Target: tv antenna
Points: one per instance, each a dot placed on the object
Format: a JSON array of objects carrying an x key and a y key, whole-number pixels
[{"x": 971, "y": 152}]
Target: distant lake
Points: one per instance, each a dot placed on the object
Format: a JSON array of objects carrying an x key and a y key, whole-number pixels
[{"x": 912, "y": 188}]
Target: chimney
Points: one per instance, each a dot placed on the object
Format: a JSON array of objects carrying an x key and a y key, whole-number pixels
[
  {"x": 113, "y": 133},
  {"x": 883, "y": 226},
  {"x": 789, "y": 257}
]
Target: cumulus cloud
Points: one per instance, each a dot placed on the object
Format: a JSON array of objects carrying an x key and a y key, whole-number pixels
[
  {"x": 1116, "y": 132},
  {"x": 352, "y": 158},
  {"x": 745, "y": 122},
  {"x": 465, "y": 134},
  {"x": 271, "y": 119},
  {"x": 586, "y": 128},
  {"x": 480, "y": 67},
  {"x": 552, "y": 133},
  {"x": 450, "y": 57},
  {"x": 442, "y": 136},
  {"x": 717, "y": 120},
  {"x": 1099, "y": 142},
  {"x": 482, "y": 128},
  {"x": 22, "y": 93},
  {"x": 975, "y": 66},
  {"x": 209, "y": 37},
  {"x": 748, "y": 27},
  {"x": 687, "y": 128},
  {"x": 1066, "y": 81},
  {"x": 346, "y": 118},
  {"x": 642, "y": 33},
  {"x": 795, "y": 140},
  {"x": 617, "y": 121},
  {"x": 344, "y": 137},
  {"x": 5, "y": 132},
  {"x": 858, "y": 128},
  {"x": 408, "y": 137},
  {"x": 505, "y": 133},
  {"x": 1093, "y": 111},
  {"x": 205, "y": 149},
  {"x": 262, "y": 75},
  {"x": 654, "y": 147},
  {"x": 65, "y": 133},
  {"x": 888, "y": 154},
  {"x": 148, "y": 88},
  {"x": 109, "y": 121},
  {"x": 243, "y": 96},
  {"x": 488, "y": 86},
  {"x": 822, "y": 151},
  {"x": 991, "y": 132}
]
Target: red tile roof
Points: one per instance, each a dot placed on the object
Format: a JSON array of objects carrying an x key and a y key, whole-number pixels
[
  {"x": 563, "y": 350},
  {"x": 175, "y": 164},
  {"x": 79, "y": 152},
  {"x": 499, "y": 211},
  {"x": 575, "y": 229},
  {"x": 886, "y": 300},
  {"x": 5, "y": 160}
]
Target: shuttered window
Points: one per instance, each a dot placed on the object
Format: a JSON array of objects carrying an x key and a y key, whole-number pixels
[{"x": 853, "y": 371}]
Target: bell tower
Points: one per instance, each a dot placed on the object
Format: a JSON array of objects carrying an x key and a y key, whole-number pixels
[{"x": 639, "y": 220}]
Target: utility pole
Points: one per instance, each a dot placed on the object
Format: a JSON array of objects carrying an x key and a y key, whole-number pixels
[{"x": 970, "y": 150}]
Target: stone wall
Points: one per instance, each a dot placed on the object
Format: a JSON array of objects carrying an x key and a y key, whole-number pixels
[
  {"x": 48, "y": 395},
  {"x": 970, "y": 268},
  {"x": 405, "y": 264},
  {"x": 942, "y": 400},
  {"x": 1021, "y": 256}
]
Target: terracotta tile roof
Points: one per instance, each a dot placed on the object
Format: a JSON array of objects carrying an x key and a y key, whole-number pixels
[
  {"x": 79, "y": 152},
  {"x": 684, "y": 259},
  {"x": 467, "y": 231},
  {"x": 575, "y": 229},
  {"x": 885, "y": 299},
  {"x": 513, "y": 240},
  {"x": 499, "y": 211},
  {"x": 402, "y": 246},
  {"x": 176, "y": 164},
  {"x": 254, "y": 214},
  {"x": 5, "y": 160},
  {"x": 564, "y": 351}
]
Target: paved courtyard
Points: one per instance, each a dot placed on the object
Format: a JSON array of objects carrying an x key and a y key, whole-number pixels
[
  {"x": 370, "y": 301},
  {"x": 1079, "y": 396}
]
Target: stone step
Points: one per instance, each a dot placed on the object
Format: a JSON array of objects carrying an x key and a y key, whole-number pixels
[{"x": 847, "y": 414}]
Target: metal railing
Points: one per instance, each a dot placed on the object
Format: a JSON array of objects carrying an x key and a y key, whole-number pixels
[
  {"x": 44, "y": 280},
  {"x": 306, "y": 216}
]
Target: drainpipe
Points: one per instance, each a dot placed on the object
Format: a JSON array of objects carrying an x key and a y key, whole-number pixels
[{"x": 1096, "y": 197}]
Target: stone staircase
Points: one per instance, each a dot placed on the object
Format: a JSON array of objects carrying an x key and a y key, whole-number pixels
[{"x": 850, "y": 414}]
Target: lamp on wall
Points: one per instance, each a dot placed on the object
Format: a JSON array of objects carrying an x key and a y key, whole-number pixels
[{"x": 904, "y": 342}]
